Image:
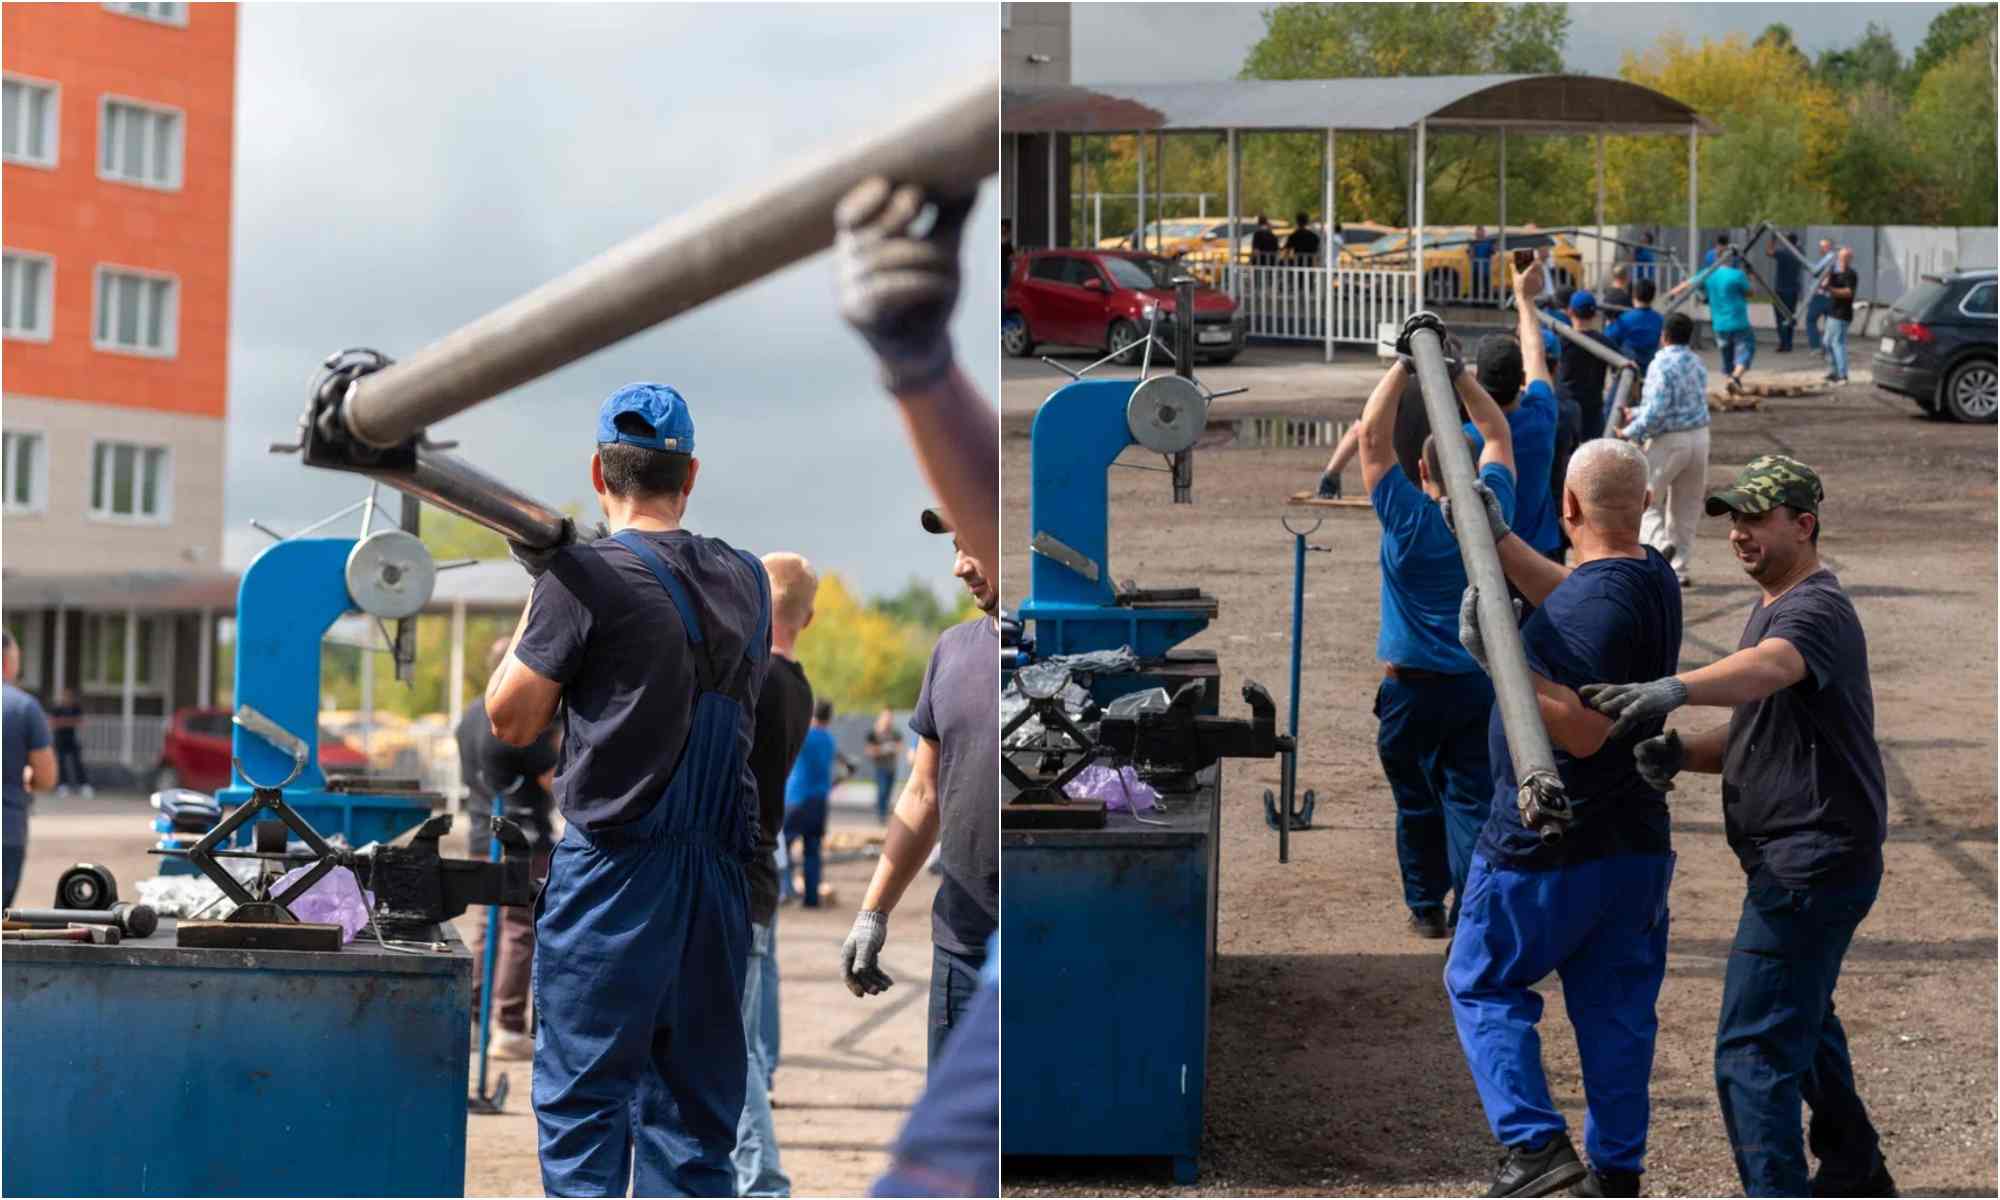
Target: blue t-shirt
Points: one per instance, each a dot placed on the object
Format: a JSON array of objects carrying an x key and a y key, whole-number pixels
[
  {"x": 601, "y": 625},
  {"x": 26, "y": 729},
  {"x": 1637, "y": 334},
  {"x": 1533, "y": 423},
  {"x": 1614, "y": 620},
  {"x": 812, "y": 770},
  {"x": 1422, "y": 574},
  {"x": 1728, "y": 292}
]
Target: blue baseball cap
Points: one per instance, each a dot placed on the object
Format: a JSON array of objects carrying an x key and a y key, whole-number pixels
[
  {"x": 657, "y": 405},
  {"x": 1582, "y": 302}
]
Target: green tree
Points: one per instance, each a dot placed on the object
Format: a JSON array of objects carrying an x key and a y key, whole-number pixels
[
  {"x": 1875, "y": 176},
  {"x": 1872, "y": 60},
  {"x": 1778, "y": 35},
  {"x": 1951, "y": 124},
  {"x": 1957, "y": 26}
]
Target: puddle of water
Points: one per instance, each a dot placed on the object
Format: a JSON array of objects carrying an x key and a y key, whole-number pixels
[{"x": 1257, "y": 433}]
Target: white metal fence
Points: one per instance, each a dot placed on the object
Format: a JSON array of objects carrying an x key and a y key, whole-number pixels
[
  {"x": 103, "y": 740},
  {"x": 1292, "y": 303}
]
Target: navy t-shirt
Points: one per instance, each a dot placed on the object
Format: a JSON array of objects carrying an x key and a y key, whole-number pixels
[
  {"x": 1422, "y": 574},
  {"x": 601, "y": 625},
  {"x": 27, "y": 730},
  {"x": 1614, "y": 620},
  {"x": 1802, "y": 791},
  {"x": 1532, "y": 421},
  {"x": 959, "y": 709}
]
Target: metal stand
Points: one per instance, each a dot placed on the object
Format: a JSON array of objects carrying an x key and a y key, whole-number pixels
[{"x": 1280, "y": 812}]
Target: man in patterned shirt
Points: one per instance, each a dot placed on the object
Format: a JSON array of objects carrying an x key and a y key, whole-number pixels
[{"x": 1672, "y": 422}]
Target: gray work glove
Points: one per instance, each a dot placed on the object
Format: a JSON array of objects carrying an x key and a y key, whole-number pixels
[
  {"x": 535, "y": 560},
  {"x": 898, "y": 288},
  {"x": 1659, "y": 759},
  {"x": 1469, "y": 635},
  {"x": 1494, "y": 517},
  {"x": 1631, "y": 704},
  {"x": 859, "y": 951}
]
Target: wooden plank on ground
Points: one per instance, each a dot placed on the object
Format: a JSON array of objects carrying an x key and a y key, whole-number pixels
[{"x": 1315, "y": 500}]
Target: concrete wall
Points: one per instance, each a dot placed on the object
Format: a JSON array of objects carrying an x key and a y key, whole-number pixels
[
  {"x": 64, "y": 537},
  {"x": 1033, "y": 31}
]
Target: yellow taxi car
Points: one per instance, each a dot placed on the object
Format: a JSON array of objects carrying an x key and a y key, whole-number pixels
[{"x": 1448, "y": 261}]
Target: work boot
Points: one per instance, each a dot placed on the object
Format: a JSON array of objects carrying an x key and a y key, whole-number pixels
[
  {"x": 1538, "y": 1172},
  {"x": 1608, "y": 1183},
  {"x": 511, "y": 1046},
  {"x": 1428, "y": 922},
  {"x": 1878, "y": 1184},
  {"x": 1329, "y": 486}
]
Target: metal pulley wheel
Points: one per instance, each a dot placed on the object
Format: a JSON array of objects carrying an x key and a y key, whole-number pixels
[
  {"x": 86, "y": 885},
  {"x": 1167, "y": 413},
  {"x": 390, "y": 574}
]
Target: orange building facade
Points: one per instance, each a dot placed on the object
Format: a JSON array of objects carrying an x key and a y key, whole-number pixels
[{"x": 119, "y": 123}]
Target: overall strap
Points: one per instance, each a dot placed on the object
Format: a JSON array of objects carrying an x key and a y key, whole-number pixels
[
  {"x": 670, "y": 582},
  {"x": 761, "y": 644}
]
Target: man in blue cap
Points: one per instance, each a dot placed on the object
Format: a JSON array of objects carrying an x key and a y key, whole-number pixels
[{"x": 655, "y": 642}]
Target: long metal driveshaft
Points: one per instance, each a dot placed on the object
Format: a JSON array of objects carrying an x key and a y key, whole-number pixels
[
  {"x": 1513, "y": 687},
  {"x": 1628, "y": 371},
  {"x": 685, "y": 261}
]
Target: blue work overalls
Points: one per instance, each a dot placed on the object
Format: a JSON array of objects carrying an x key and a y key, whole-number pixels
[{"x": 643, "y": 938}]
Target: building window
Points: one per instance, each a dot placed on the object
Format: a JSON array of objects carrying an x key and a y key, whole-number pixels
[
  {"x": 29, "y": 291},
  {"x": 136, "y": 312},
  {"x": 24, "y": 466},
  {"x": 26, "y": 626},
  {"x": 130, "y": 482},
  {"x": 104, "y": 652},
  {"x": 28, "y": 115},
  {"x": 165, "y": 14},
  {"x": 139, "y": 144}
]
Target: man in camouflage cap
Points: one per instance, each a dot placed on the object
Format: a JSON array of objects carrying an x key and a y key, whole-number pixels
[{"x": 1803, "y": 807}]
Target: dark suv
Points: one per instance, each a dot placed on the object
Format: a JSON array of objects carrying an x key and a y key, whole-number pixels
[
  {"x": 1937, "y": 346},
  {"x": 1104, "y": 298}
]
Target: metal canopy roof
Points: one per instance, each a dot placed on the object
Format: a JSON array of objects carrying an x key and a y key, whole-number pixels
[{"x": 1523, "y": 103}]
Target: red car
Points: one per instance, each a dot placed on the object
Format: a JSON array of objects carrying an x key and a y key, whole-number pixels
[
  {"x": 196, "y": 753},
  {"x": 1100, "y": 298}
]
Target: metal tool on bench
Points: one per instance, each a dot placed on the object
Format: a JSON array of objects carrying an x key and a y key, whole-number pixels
[
  {"x": 1283, "y": 812},
  {"x": 87, "y": 885},
  {"x": 130, "y": 920},
  {"x": 96, "y": 935}
]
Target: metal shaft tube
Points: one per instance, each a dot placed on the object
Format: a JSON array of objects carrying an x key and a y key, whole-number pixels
[
  {"x": 1621, "y": 394},
  {"x": 1513, "y": 687},
  {"x": 1596, "y": 349},
  {"x": 683, "y": 262},
  {"x": 453, "y": 484}
]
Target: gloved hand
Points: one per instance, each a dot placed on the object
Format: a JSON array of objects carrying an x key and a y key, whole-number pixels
[
  {"x": 1469, "y": 635},
  {"x": 1329, "y": 486},
  {"x": 1634, "y": 703},
  {"x": 898, "y": 289},
  {"x": 859, "y": 951},
  {"x": 535, "y": 560},
  {"x": 1494, "y": 517},
  {"x": 1414, "y": 322},
  {"x": 1660, "y": 759},
  {"x": 1454, "y": 358}
]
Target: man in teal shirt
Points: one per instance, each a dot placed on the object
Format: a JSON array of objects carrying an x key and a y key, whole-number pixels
[{"x": 1728, "y": 292}]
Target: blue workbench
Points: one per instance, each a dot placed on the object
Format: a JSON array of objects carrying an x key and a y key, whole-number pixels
[
  {"x": 147, "y": 1069},
  {"x": 1109, "y": 943}
]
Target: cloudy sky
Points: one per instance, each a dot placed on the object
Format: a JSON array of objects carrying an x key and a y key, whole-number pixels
[
  {"x": 1189, "y": 42},
  {"x": 403, "y": 169}
]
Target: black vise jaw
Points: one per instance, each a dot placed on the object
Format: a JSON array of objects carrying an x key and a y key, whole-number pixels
[
  {"x": 414, "y": 884},
  {"x": 1181, "y": 739}
]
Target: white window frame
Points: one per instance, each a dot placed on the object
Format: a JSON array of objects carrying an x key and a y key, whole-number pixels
[
  {"x": 48, "y": 299},
  {"x": 55, "y": 122},
  {"x": 178, "y": 21},
  {"x": 104, "y": 103},
  {"x": 28, "y": 633},
  {"x": 163, "y": 514},
  {"x": 173, "y": 346},
  {"x": 93, "y": 654},
  {"x": 38, "y": 500}
]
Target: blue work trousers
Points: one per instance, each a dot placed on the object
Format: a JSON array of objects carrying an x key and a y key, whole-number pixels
[
  {"x": 806, "y": 825},
  {"x": 1432, "y": 742},
  {"x": 1599, "y": 925},
  {"x": 954, "y": 982},
  {"x": 766, "y": 967},
  {"x": 1816, "y": 309},
  {"x": 1836, "y": 347},
  {"x": 1784, "y": 323},
  {"x": 1778, "y": 1043},
  {"x": 885, "y": 791},
  {"x": 758, "y": 1171},
  {"x": 1739, "y": 349}
]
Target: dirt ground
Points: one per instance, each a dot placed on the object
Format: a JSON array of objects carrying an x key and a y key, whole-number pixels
[
  {"x": 849, "y": 1070},
  {"x": 1335, "y": 1069}
]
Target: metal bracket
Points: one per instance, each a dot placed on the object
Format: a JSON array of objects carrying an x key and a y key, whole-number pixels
[{"x": 1050, "y": 546}]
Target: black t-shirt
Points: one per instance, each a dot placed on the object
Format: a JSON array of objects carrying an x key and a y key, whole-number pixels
[
  {"x": 1842, "y": 310},
  {"x": 784, "y": 711},
  {"x": 1580, "y": 375},
  {"x": 486, "y": 763},
  {"x": 64, "y": 735},
  {"x": 1617, "y": 297},
  {"x": 959, "y": 709},
  {"x": 1303, "y": 243},
  {"x": 1264, "y": 246},
  {"x": 1802, "y": 791},
  {"x": 600, "y": 625},
  {"x": 1613, "y": 620}
]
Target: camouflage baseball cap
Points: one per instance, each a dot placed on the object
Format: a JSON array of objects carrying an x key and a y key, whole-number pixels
[{"x": 1765, "y": 483}]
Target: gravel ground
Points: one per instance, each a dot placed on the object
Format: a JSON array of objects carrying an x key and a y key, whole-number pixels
[{"x": 1335, "y": 1069}]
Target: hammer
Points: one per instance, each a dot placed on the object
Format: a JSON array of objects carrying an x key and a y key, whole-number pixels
[
  {"x": 97, "y": 935},
  {"x": 132, "y": 920}
]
